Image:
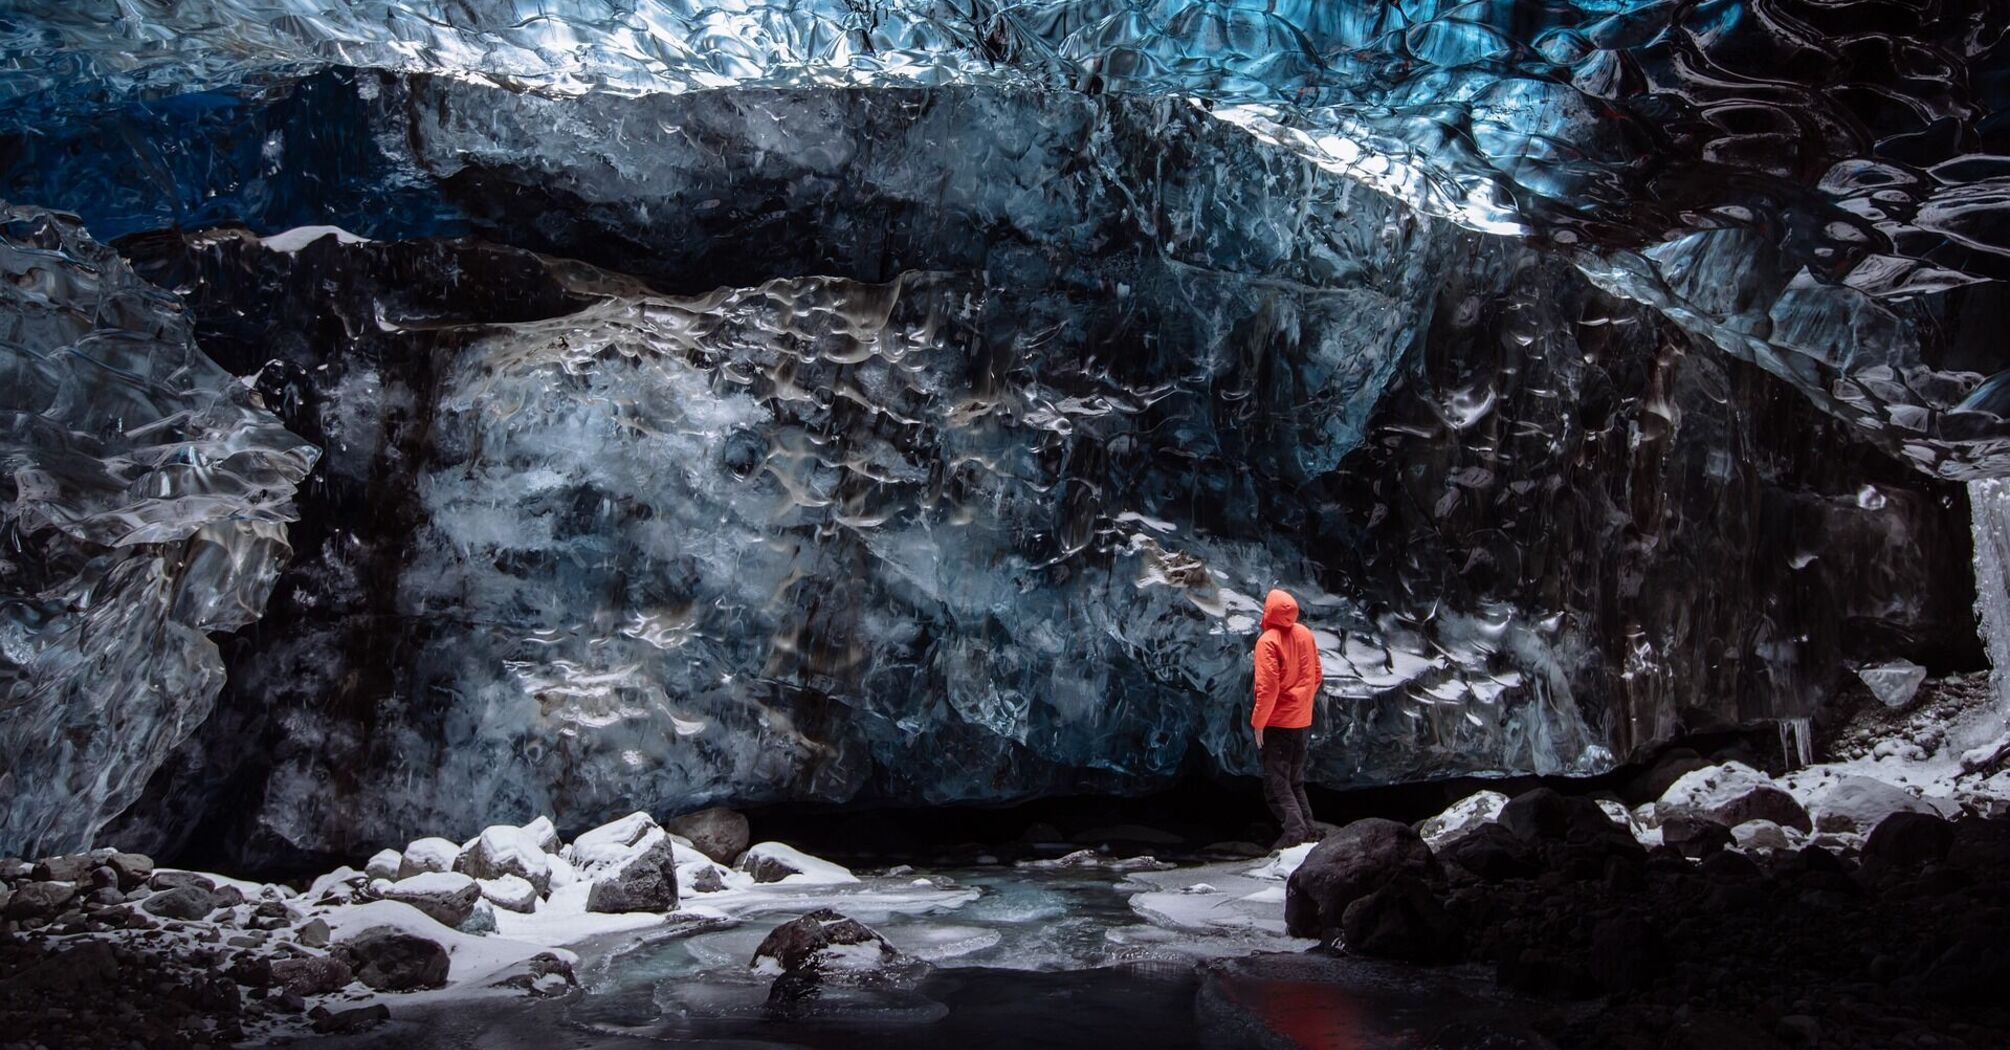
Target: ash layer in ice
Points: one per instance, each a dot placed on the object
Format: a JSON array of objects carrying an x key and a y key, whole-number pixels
[{"x": 143, "y": 496}]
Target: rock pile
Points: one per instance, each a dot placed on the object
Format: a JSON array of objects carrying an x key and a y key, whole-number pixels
[
  {"x": 1714, "y": 928},
  {"x": 101, "y": 949}
]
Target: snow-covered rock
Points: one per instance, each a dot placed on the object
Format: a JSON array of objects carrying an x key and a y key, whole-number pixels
[
  {"x": 1857, "y": 803},
  {"x": 825, "y": 943},
  {"x": 1461, "y": 817},
  {"x": 384, "y": 864},
  {"x": 775, "y": 862},
  {"x": 1762, "y": 834},
  {"x": 611, "y": 843},
  {"x": 428, "y": 855},
  {"x": 544, "y": 833},
  {"x": 645, "y": 880},
  {"x": 475, "y": 960},
  {"x": 447, "y": 896},
  {"x": 510, "y": 892},
  {"x": 1731, "y": 794},
  {"x": 341, "y": 882},
  {"x": 505, "y": 850}
]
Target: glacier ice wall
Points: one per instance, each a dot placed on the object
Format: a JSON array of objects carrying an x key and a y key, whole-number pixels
[
  {"x": 938, "y": 379},
  {"x": 143, "y": 497},
  {"x": 989, "y": 525},
  {"x": 1812, "y": 186}
]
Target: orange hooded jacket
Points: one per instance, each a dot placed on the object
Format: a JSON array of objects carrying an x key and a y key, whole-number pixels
[{"x": 1287, "y": 667}]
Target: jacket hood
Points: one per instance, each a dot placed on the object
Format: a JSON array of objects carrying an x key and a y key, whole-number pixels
[{"x": 1280, "y": 610}]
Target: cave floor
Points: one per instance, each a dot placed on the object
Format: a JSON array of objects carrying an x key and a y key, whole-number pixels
[{"x": 1018, "y": 958}]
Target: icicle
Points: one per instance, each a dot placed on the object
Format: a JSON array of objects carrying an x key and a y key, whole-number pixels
[
  {"x": 1797, "y": 744},
  {"x": 1989, "y": 504}
]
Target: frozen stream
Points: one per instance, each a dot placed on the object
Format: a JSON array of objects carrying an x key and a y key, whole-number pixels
[{"x": 1021, "y": 957}]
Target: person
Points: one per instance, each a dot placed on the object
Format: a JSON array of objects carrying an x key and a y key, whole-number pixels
[{"x": 1288, "y": 677}]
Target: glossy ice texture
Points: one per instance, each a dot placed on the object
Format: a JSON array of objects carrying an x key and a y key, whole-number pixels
[
  {"x": 143, "y": 498},
  {"x": 1811, "y": 185},
  {"x": 906, "y": 401}
]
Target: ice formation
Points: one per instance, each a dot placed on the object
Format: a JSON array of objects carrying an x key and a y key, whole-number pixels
[
  {"x": 902, "y": 400},
  {"x": 143, "y": 497}
]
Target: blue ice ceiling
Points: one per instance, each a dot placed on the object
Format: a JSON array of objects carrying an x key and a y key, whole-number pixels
[
  {"x": 1843, "y": 160},
  {"x": 1045, "y": 334}
]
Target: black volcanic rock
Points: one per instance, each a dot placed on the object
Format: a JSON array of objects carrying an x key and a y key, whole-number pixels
[{"x": 1347, "y": 865}]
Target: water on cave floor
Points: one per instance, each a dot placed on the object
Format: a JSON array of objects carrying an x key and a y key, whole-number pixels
[{"x": 1018, "y": 958}]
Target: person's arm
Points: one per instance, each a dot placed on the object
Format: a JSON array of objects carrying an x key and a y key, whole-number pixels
[
  {"x": 1315, "y": 675},
  {"x": 1269, "y": 679}
]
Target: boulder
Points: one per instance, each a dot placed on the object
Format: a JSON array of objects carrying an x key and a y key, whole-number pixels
[
  {"x": 73, "y": 867},
  {"x": 775, "y": 862},
  {"x": 1358, "y": 860},
  {"x": 428, "y": 855},
  {"x": 384, "y": 864},
  {"x": 1858, "y": 804},
  {"x": 132, "y": 869},
  {"x": 1461, "y": 818},
  {"x": 447, "y": 896},
  {"x": 1731, "y": 794},
  {"x": 185, "y": 902},
  {"x": 1695, "y": 837},
  {"x": 1493, "y": 854},
  {"x": 645, "y": 881},
  {"x": 510, "y": 893},
  {"x": 1761, "y": 834},
  {"x": 544, "y": 975},
  {"x": 390, "y": 960},
  {"x": 700, "y": 878},
  {"x": 1544, "y": 814},
  {"x": 611, "y": 843},
  {"x": 313, "y": 975},
  {"x": 174, "y": 880},
  {"x": 504, "y": 850},
  {"x": 543, "y": 832},
  {"x": 825, "y": 942},
  {"x": 313, "y": 933},
  {"x": 40, "y": 900},
  {"x": 1402, "y": 920},
  {"x": 1909, "y": 840},
  {"x": 720, "y": 834}
]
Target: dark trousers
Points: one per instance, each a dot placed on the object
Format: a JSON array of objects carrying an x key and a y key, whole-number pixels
[{"x": 1284, "y": 781}]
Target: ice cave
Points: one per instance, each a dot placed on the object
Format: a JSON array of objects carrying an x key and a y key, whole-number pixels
[{"x": 1216, "y": 524}]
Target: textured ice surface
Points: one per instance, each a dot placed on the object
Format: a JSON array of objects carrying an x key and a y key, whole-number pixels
[
  {"x": 946, "y": 537},
  {"x": 1989, "y": 503},
  {"x": 1817, "y": 190},
  {"x": 142, "y": 497},
  {"x": 940, "y": 382}
]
